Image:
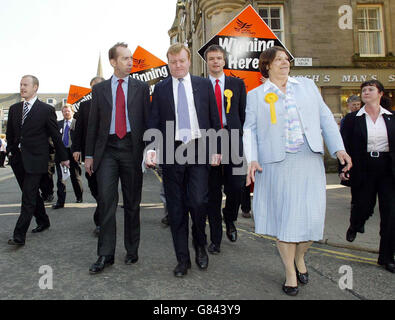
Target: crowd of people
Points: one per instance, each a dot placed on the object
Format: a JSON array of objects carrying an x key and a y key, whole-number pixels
[{"x": 280, "y": 131}]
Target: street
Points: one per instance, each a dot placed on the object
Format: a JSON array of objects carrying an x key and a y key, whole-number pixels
[{"x": 54, "y": 264}]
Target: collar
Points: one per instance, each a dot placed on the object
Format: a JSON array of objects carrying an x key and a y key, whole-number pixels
[
  {"x": 32, "y": 101},
  {"x": 221, "y": 78},
  {"x": 114, "y": 79},
  {"x": 187, "y": 78},
  {"x": 382, "y": 111},
  {"x": 268, "y": 84}
]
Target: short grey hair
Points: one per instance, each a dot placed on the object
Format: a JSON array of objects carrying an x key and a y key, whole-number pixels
[{"x": 353, "y": 98}]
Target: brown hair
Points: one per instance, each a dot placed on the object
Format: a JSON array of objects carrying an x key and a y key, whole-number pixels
[
  {"x": 176, "y": 49},
  {"x": 34, "y": 79},
  {"x": 267, "y": 57},
  {"x": 214, "y": 48},
  {"x": 112, "y": 53}
]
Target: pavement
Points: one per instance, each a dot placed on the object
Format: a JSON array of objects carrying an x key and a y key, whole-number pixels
[{"x": 249, "y": 269}]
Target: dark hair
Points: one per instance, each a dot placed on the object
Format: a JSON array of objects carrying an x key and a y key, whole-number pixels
[
  {"x": 214, "y": 48},
  {"x": 386, "y": 103},
  {"x": 374, "y": 83},
  {"x": 112, "y": 53},
  {"x": 267, "y": 57},
  {"x": 96, "y": 78}
]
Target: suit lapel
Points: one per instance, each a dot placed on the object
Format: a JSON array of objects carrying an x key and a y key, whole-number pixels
[
  {"x": 361, "y": 126},
  {"x": 108, "y": 92},
  {"x": 195, "y": 90},
  {"x": 131, "y": 96},
  {"x": 31, "y": 112},
  {"x": 389, "y": 122},
  {"x": 168, "y": 87}
]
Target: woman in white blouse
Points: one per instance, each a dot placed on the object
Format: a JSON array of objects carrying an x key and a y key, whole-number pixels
[{"x": 369, "y": 138}]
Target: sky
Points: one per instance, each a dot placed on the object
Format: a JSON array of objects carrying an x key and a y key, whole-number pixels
[{"x": 60, "y": 41}]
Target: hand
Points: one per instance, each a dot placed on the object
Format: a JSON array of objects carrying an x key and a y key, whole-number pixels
[
  {"x": 216, "y": 160},
  {"x": 252, "y": 168},
  {"x": 344, "y": 159},
  {"x": 345, "y": 176},
  {"x": 65, "y": 163},
  {"x": 150, "y": 159},
  {"x": 76, "y": 156},
  {"x": 89, "y": 165}
]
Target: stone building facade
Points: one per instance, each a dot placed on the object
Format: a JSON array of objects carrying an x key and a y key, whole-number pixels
[{"x": 342, "y": 42}]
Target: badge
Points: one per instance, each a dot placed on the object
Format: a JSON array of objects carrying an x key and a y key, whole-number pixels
[
  {"x": 271, "y": 98},
  {"x": 228, "y": 94}
]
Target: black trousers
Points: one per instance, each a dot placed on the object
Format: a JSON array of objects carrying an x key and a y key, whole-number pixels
[
  {"x": 92, "y": 183},
  {"x": 186, "y": 191},
  {"x": 246, "y": 198},
  {"x": 75, "y": 177},
  {"x": 222, "y": 175},
  {"x": 2, "y": 158},
  {"x": 380, "y": 182},
  {"x": 118, "y": 164},
  {"x": 32, "y": 203}
]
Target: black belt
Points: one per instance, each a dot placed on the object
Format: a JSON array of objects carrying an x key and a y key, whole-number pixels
[{"x": 378, "y": 154}]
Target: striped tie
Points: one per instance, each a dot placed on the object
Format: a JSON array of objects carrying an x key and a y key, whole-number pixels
[{"x": 25, "y": 111}]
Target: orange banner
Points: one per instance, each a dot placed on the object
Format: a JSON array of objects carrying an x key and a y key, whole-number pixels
[{"x": 77, "y": 95}]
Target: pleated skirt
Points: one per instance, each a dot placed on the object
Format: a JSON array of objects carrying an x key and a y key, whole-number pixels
[{"x": 290, "y": 197}]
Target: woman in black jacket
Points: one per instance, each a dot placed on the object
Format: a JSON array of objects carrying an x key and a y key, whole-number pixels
[{"x": 369, "y": 138}]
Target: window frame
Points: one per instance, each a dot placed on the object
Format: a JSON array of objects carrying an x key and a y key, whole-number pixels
[
  {"x": 282, "y": 19},
  {"x": 380, "y": 31}
]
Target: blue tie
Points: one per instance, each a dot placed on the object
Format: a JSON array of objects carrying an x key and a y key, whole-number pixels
[
  {"x": 66, "y": 135},
  {"x": 184, "y": 124}
]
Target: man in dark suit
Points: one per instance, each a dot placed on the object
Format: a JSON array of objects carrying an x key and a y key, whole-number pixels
[
  {"x": 231, "y": 101},
  {"x": 66, "y": 127},
  {"x": 186, "y": 104},
  {"x": 78, "y": 148},
  {"x": 30, "y": 124},
  {"x": 114, "y": 150}
]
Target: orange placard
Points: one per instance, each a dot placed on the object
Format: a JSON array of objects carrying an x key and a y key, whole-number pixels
[
  {"x": 77, "y": 95},
  {"x": 148, "y": 68},
  {"x": 243, "y": 39}
]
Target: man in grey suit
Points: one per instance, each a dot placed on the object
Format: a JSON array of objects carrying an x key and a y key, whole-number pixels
[{"x": 114, "y": 150}]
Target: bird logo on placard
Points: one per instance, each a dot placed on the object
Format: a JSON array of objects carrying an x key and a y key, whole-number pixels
[
  {"x": 139, "y": 63},
  {"x": 243, "y": 27}
]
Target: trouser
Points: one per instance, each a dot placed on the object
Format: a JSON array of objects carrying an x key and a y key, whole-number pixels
[
  {"x": 32, "y": 203},
  {"x": 380, "y": 182},
  {"x": 118, "y": 164},
  {"x": 186, "y": 192}
]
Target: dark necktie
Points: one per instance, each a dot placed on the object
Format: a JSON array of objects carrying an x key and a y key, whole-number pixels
[
  {"x": 66, "y": 134},
  {"x": 25, "y": 111},
  {"x": 184, "y": 124},
  {"x": 218, "y": 96},
  {"x": 120, "y": 113}
]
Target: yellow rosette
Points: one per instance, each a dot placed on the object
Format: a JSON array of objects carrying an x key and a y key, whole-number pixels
[
  {"x": 271, "y": 98},
  {"x": 228, "y": 94}
]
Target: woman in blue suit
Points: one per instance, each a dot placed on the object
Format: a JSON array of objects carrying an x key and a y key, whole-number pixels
[{"x": 286, "y": 119}]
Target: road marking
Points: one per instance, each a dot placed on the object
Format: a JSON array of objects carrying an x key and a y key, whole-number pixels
[{"x": 6, "y": 177}]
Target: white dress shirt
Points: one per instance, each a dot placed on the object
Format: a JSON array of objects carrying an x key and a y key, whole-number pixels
[
  {"x": 31, "y": 102},
  {"x": 377, "y": 131},
  {"x": 195, "y": 130}
]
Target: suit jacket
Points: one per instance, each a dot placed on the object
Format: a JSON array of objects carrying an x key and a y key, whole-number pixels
[
  {"x": 81, "y": 128},
  {"x": 237, "y": 113},
  {"x": 163, "y": 108},
  {"x": 100, "y": 119},
  {"x": 265, "y": 142},
  {"x": 39, "y": 124},
  {"x": 355, "y": 136}
]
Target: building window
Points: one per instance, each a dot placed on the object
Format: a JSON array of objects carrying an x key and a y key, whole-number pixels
[
  {"x": 64, "y": 101},
  {"x": 274, "y": 18},
  {"x": 51, "y": 101},
  {"x": 370, "y": 31}
]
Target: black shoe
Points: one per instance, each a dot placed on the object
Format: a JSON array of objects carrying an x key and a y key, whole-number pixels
[
  {"x": 231, "y": 231},
  {"x": 79, "y": 200},
  {"x": 351, "y": 235},
  {"x": 201, "y": 258},
  {"x": 388, "y": 266},
  {"x": 131, "y": 259},
  {"x": 57, "y": 206},
  {"x": 165, "y": 220},
  {"x": 182, "y": 269},
  {"x": 40, "y": 228},
  {"x": 101, "y": 263},
  {"x": 213, "y": 248},
  {"x": 303, "y": 278},
  {"x": 16, "y": 242},
  {"x": 96, "y": 232},
  {"x": 291, "y": 291},
  {"x": 246, "y": 215}
]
